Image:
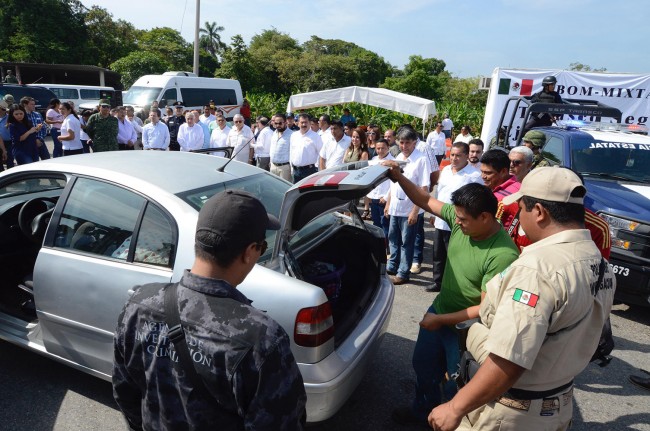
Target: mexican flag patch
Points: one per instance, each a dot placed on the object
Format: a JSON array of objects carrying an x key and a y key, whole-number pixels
[{"x": 524, "y": 297}]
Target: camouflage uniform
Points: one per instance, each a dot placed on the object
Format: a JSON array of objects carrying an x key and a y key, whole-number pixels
[
  {"x": 242, "y": 355},
  {"x": 539, "y": 161},
  {"x": 103, "y": 132}
]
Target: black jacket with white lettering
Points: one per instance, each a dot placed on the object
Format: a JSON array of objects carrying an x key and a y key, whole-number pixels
[{"x": 242, "y": 355}]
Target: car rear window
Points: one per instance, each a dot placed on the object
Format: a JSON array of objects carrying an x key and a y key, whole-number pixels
[{"x": 267, "y": 188}]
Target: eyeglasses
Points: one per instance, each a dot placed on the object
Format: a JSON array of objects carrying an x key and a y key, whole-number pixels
[
  {"x": 263, "y": 246},
  {"x": 104, "y": 106},
  {"x": 516, "y": 162}
]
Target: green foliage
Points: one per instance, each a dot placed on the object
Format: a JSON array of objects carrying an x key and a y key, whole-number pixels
[
  {"x": 422, "y": 77},
  {"x": 211, "y": 40},
  {"x": 237, "y": 64},
  {"x": 168, "y": 44},
  {"x": 266, "y": 103},
  {"x": 108, "y": 40},
  {"x": 137, "y": 64},
  {"x": 43, "y": 31}
]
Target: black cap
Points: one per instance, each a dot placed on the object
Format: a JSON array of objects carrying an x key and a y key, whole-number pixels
[
  {"x": 178, "y": 104},
  {"x": 233, "y": 218}
]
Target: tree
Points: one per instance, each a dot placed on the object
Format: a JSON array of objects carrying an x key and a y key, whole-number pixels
[
  {"x": 107, "y": 39},
  {"x": 422, "y": 77},
  {"x": 237, "y": 65},
  {"x": 266, "y": 51},
  {"x": 211, "y": 40},
  {"x": 29, "y": 33},
  {"x": 169, "y": 45},
  {"x": 312, "y": 72},
  {"x": 137, "y": 64}
]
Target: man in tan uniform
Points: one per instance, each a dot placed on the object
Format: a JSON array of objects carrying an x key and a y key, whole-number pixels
[{"x": 541, "y": 318}]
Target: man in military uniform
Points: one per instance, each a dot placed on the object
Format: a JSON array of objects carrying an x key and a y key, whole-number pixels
[
  {"x": 535, "y": 140},
  {"x": 245, "y": 374},
  {"x": 102, "y": 128},
  {"x": 541, "y": 318},
  {"x": 174, "y": 123},
  {"x": 547, "y": 95}
]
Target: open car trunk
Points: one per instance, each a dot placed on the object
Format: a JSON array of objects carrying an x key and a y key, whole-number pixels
[{"x": 351, "y": 261}]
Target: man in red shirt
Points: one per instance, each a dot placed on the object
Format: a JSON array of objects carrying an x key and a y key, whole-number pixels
[{"x": 495, "y": 171}]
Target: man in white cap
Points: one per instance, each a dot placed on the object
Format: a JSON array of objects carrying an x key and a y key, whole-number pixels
[{"x": 541, "y": 318}]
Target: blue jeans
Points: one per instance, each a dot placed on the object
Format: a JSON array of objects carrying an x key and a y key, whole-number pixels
[
  {"x": 435, "y": 353},
  {"x": 378, "y": 217},
  {"x": 58, "y": 146},
  {"x": 401, "y": 241},
  {"x": 419, "y": 240},
  {"x": 25, "y": 155}
]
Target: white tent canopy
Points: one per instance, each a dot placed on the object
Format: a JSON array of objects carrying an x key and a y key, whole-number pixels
[{"x": 379, "y": 97}]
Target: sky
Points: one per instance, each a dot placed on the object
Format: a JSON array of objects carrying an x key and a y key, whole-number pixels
[{"x": 472, "y": 36}]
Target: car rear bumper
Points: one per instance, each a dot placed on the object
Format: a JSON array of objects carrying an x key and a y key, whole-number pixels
[
  {"x": 330, "y": 382},
  {"x": 632, "y": 280}
]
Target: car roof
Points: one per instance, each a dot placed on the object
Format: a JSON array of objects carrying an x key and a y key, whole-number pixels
[
  {"x": 172, "y": 171},
  {"x": 599, "y": 135}
]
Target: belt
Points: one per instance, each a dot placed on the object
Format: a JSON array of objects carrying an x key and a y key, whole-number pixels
[
  {"x": 523, "y": 394},
  {"x": 280, "y": 164},
  {"x": 155, "y": 149},
  {"x": 549, "y": 405},
  {"x": 304, "y": 167}
]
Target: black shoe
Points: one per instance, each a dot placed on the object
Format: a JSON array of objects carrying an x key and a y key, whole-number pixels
[
  {"x": 391, "y": 272},
  {"x": 642, "y": 382},
  {"x": 435, "y": 287},
  {"x": 405, "y": 416}
]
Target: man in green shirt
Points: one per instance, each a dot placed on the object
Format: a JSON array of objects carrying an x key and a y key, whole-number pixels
[
  {"x": 102, "y": 129},
  {"x": 479, "y": 249}
]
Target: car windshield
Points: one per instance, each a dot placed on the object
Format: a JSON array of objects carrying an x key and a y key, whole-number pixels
[
  {"x": 615, "y": 160},
  {"x": 267, "y": 188},
  {"x": 140, "y": 96}
]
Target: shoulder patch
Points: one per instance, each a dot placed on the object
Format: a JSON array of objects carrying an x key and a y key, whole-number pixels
[{"x": 525, "y": 297}]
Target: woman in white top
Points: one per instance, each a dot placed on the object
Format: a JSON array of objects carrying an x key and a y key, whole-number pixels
[
  {"x": 54, "y": 119},
  {"x": 70, "y": 131},
  {"x": 190, "y": 135}
]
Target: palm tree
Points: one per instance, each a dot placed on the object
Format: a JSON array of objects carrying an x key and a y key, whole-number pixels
[{"x": 210, "y": 38}]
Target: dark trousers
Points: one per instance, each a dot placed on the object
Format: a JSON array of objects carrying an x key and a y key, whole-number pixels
[
  {"x": 73, "y": 152},
  {"x": 9, "y": 146},
  {"x": 123, "y": 147},
  {"x": 174, "y": 146},
  {"x": 440, "y": 245},
  {"x": 43, "y": 152},
  {"x": 302, "y": 172},
  {"x": 58, "y": 146},
  {"x": 418, "y": 251},
  {"x": 86, "y": 146}
]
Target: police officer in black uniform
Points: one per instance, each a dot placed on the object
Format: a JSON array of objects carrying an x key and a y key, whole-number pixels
[
  {"x": 238, "y": 371},
  {"x": 174, "y": 123},
  {"x": 547, "y": 95}
]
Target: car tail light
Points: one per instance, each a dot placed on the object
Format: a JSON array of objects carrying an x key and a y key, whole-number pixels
[
  {"x": 314, "y": 326},
  {"x": 324, "y": 181}
]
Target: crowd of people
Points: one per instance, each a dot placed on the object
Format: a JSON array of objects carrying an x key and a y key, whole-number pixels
[{"x": 513, "y": 245}]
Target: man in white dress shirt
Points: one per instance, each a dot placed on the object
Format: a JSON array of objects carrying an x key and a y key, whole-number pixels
[
  {"x": 219, "y": 135},
  {"x": 280, "y": 147},
  {"x": 436, "y": 140},
  {"x": 242, "y": 140},
  {"x": 305, "y": 150},
  {"x": 207, "y": 117},
  {"x": 190, "y": 134},
  {"x": 263, "y": 144},
  {"x": 155, "y": 134},
  {"x": 335, "y": 144}
]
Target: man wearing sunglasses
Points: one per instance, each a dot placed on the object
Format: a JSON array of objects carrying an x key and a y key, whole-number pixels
[{"x": 251, "y": 380}]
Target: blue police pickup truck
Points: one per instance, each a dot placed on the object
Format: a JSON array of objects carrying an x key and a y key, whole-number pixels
[{"x": 614, "y": 161}]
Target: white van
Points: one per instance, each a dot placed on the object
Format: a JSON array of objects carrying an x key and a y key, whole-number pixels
[
  {"x": 193, "y": 91},
  {"x": 83, "y": 96}
]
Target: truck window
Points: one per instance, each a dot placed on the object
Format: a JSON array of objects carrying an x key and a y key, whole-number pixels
[
  {"x": 89, "y": 94},
  {"x": 553, "y": 151},
  {"x": 170, "y": 97},
  {"x": 65, "y": 93},
  {"x": 201, "y": 96}
]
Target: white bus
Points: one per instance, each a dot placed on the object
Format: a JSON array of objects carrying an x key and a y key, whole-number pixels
[
  {"x": 194, "y": 92},
  {"x": 86, "y": 95}
]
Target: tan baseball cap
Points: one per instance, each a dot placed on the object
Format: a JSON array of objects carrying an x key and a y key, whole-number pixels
[{"x": 552, "y": 184}]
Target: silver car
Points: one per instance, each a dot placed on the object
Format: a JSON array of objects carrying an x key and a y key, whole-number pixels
[{"x": 79, "y": 232}]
